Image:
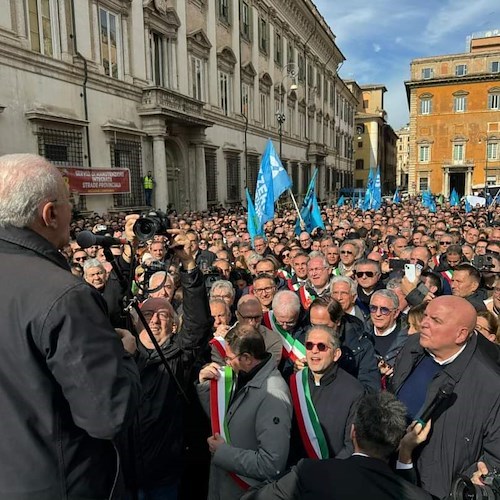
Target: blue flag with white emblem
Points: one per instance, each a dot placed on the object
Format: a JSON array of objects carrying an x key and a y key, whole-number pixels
[
  {"x": 253, "y": 222},
  {"x": 272, "y": 181},
  {"x": 454, "y": 198},
  {"x": 397, "y": 197},
  {"x": 310, "y": 212}
]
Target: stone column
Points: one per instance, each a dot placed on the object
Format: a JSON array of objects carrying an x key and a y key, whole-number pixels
[
  {"x": 199, "y": 175},
  {"x": 149, "y": 72},
  {"x": 446, "y": 183},
  {"x": 160, "y": 173}
]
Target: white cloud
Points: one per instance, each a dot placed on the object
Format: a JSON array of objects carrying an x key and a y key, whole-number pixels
[{"x": 376, "y": 47}]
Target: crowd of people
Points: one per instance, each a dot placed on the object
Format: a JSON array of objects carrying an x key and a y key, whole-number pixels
[{"x": 356, "y": 361}]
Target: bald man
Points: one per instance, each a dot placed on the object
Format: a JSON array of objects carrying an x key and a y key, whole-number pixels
[{"x": 466, "y": 429}]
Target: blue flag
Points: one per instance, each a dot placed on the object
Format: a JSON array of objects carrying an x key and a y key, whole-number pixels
[
  {"x": 489, "y": 199},
  {"x": 468, "y": 208},
  {"x": 369, "y": 190},
  {"x": 272, "y": 180},
  {"x": 253, "y": 222},
  {"x": 309, "y": 211},
  {"x": 428, "y": 201},
  {"x": 341, "y": 201},
  {"x": 397, "y": 197},
  {"x": 376, "y": 199},
  {"x": 454, "y": 199}
]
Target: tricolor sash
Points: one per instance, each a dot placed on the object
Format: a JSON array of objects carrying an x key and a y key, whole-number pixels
[
  {"x": 306, "y": 297},
  {"x": 293, "y": 349},
  {"x": 447, "y": 275},
  {"x": 220, "y": 395},
  {"x": 310, "y": 429},
  {"x": 220, "y": 344}
]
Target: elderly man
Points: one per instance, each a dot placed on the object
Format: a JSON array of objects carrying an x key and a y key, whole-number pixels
[
  {"x": 465, "y": 283},
  {"x": 389, "y": 334},
  {"x": 367, "y": 274},
  {"x": 69, "y": 388},
  {"x": 318, "y": 279},
  {"x": 344, "y": 290},
  {"x": 329, "y": 387},
  {"x": 465, "y": 429},
  {"x": 305, "y": 241},
  {"x": 161, "y": 285},
  {"x": 221, "y": 314},
  {"x": 154, "y": 462},
  {"x": 250, "y": 443},
  {"x": 348, "y": 254}
]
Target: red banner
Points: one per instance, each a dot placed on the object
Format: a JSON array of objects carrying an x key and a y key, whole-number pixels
[{"x": 97, "y": 180}]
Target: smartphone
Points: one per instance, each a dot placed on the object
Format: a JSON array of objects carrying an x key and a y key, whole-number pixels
[
  {"x": 397, "y": 264},
  {"x": 410, "y": 272},
  {"x": 422, "y": 289}
]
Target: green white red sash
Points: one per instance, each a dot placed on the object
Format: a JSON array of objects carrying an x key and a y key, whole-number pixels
[
  {"x": 292, "y": 349},
  {"x": 220, "y": 395},
  {"x": 306, "y": 297},
  {"x": 448, "y": 275},
  {"x": 310, "y": 429},
  {"x": 220, "y": 344}
]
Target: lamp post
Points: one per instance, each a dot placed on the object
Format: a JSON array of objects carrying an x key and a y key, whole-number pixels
[{"x": 289, "y": 71}]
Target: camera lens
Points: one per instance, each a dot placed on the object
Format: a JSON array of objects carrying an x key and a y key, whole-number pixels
[{"x": 145, "y": 228}]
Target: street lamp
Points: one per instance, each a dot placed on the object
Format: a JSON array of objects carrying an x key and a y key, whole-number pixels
[{"x": 289, "y": 71}]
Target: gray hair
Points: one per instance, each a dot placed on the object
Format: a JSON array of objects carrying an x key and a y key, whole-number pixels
[
  {"x": 332, "y": 336},
  {"x": 344, "y": 279},
  {"x": 388, "y": 294},
  {"x": 368, "y": 262},
  {"x": 162, "y": 276},
  {"x": 223, "y": 285},
  {"x": 286, "y": 300},
  {"x": 89, "y": 263},
  {"x": 223, "y": 303},
  {"x": 318, "y": 255},
  {"x": 26, "y": 181}
]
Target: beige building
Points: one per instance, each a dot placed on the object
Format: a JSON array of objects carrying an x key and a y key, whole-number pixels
[
  {"x": 375, "y": 140},
  {"x": 190, "y": 89},
  {"x": 403, "y": 157},
  {"x": 454, "y": 118}
]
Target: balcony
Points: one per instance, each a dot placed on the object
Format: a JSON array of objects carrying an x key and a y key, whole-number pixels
[
  {"x": 169, "y": 103},
  {"x": 451, "y": 163},
  {"x": 318, "y": 149}
]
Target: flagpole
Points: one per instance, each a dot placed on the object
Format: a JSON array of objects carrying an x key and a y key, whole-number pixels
[{"x": 302, "y": 223}]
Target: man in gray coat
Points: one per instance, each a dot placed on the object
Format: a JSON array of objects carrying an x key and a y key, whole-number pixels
[{"x": 258, "y": 417}]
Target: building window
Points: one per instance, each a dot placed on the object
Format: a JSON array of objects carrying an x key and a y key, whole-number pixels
[
  {"x": 245, "y": 20},
  {"x": 319, "y": 87},
  {"x": 233, "y": 177},
  {"x": 263, "y": 37},
  {"x": 492, "y": 151},
  {"x": 302, "y": 68},
  {"x": 223, "y": 10},
  {"x": 423, "y": 184},
  {"x": 425, "y": 106},
  {"x": 225, "y": 92},
  {"x": 495, "y": 66},
  {"x": 246, "y": 100},
  {"x": 360, "y": 164},
  {"x": 161, "y": 52},
  {"x": 264, "y": 109},
  {"x": 128, "y": 154},
  {"x": 110, "y": 43},
  {"x": 278, "y": 49},
  {"x": 290, "y": 53},
  {"x": 459, "y": 103},
  {"x": 460, "y": 69},
  {"x": 427, "y": 73},
  {"x": 458, "y": 152},
  {"x": 494, "y": 100},
  {"x": 424, "y": 153},
  {"x": 252, "y": 172},
  {"x": 42, "y": 17},
  {"x": 310, "y": 75},
  {"x": 211, "y": 174},
  {"x": 197, "y": 78}
]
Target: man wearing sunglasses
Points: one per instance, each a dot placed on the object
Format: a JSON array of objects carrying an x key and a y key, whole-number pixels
[
  {"x": 367, "y": 275},
  {"x": 330, "y": 388},
  {"x": 387, "y": 330}
]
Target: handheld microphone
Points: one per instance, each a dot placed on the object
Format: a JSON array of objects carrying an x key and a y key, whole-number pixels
[
  {"x": 87, "y": 239},
  {"x": 443, "y": 393}
]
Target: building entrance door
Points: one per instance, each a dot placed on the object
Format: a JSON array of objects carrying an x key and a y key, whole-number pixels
[{"x": 457, "y": 182}]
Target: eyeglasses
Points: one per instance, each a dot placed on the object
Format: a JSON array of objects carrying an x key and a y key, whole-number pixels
[
  {"x": 267, "y": 289},
  {"x": 432, "y": 247},
  {"x": 232, "y": 358},
  {"x": 322, "y": 347},
  {"x": 445, "y": 242},
  {"x": 227, "y": 296},
  {"x": 163, "y": 316},
  {"x": 80, "y": 259},
  {"x": 286, "y": 323},
  {"x": 257, "y": 317},
  {"x": 346, "y": 252},
  {"x": 483, "y": 330},
  {"x": 383, "y": 310},
  {"x": 368, "y": 274},
  {"x": 316, "y": 269}
]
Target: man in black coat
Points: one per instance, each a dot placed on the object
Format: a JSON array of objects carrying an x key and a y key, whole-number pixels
[
  {"x": 68, "y": 386},
  {"x": 204, "y": 259},
  {"x": 466, "y": 428},
  {"x": 378, "y": 428},
  {"x": 154, "y": 458}
]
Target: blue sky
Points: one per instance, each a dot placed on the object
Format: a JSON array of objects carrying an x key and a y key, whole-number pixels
[{"x": 379, "y": 38}]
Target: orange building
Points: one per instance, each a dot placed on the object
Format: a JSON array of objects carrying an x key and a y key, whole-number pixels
[{"x": 455, "y": 119}]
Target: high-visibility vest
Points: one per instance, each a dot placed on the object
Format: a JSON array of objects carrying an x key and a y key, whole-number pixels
[{"x": 148, "y": 182}]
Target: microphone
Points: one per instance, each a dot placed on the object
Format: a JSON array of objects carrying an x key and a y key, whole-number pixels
[
  {"x": 87, "y": 239},
  {"x": 443, "y": 393}
]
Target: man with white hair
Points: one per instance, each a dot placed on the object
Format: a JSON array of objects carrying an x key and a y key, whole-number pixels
[
  {"x": 72, "y": 388},
  {"x": 318, "y": 279}
]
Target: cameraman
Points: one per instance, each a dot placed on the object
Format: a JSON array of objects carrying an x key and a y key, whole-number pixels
[{"x": 154, "y": 455}]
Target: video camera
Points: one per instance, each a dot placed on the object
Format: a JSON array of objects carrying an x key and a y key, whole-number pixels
[
  {"x": 464, "y": 489},
  {"x": 483, "y": 262},
  {"x": 212, "y": 275}
]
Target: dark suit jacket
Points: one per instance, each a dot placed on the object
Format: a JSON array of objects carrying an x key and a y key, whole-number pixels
[{"x": 355, "y": 478}]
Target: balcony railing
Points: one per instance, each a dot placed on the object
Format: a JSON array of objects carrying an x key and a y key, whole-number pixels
[{"x": 164, "y": 100}]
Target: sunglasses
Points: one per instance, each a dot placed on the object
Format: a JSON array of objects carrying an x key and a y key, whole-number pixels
[
  {"x": 383, "y": 310},
  {"x": 445, "y": 242},
  {"x": 346, "y": 252},
  {"x": 368, "y": 274},
  {"x": 322, "y": 347}
]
